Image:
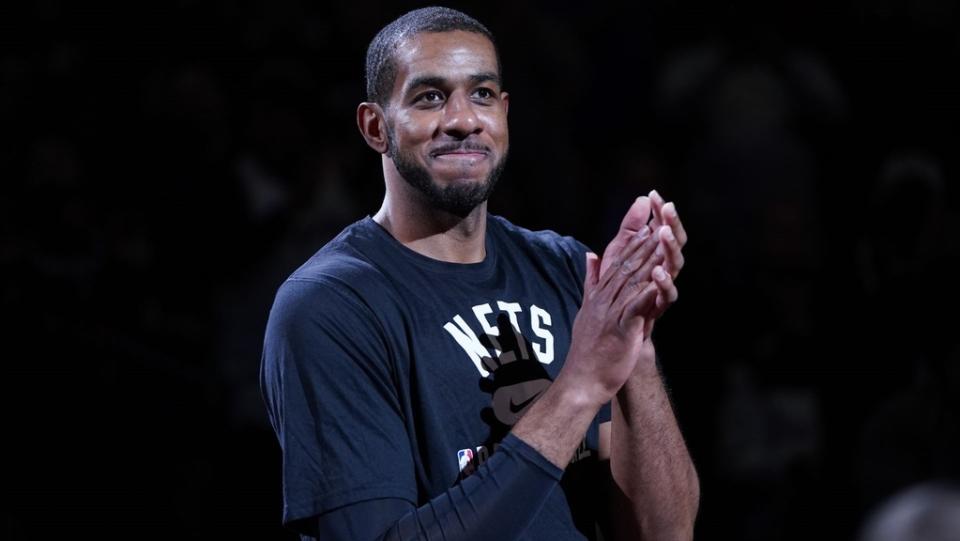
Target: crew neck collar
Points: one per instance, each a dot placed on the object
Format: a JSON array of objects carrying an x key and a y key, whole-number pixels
[{"x": 481, "y": 269}]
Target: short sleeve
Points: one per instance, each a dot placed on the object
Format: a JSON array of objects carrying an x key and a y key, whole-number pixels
[
  {"x": 578, "y": 251},
  {"x": 575, "y": 253},
  {"x": 331, "y": 395}
]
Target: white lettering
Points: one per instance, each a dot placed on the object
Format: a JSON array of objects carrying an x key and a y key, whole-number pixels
[
  {"x": 538, "y": 317},
  {"x": 512, "y": 309},
  {"x": 469, "y": 342},
  {"x": 540, "y": 323},
  {"x": 482, "y": 311}
]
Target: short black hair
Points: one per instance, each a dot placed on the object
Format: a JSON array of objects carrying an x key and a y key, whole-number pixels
[{"x": 381, "y": 66}]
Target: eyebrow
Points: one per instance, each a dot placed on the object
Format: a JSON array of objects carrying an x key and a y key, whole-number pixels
[{"x": 434, "y": 80}]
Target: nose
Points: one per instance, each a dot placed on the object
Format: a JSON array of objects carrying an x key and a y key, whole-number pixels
[{"x": 459, "y": 117}]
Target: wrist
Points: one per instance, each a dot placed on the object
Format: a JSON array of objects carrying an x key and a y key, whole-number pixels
[
  {"x": 557, "y": 422},
  {"x": 647, "y": 361},
  {"x": 575, "y": 394}
]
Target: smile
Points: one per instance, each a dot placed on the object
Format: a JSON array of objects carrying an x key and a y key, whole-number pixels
[{"x": 461, "y": 156}]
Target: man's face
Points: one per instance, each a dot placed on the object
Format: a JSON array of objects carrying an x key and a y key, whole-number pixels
[{"x": 447, "y": 118}]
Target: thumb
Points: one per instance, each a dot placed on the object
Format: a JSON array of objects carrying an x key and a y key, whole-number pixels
[
  {"x": 648, "y": 328},
  {"x": 593, "y": 272},
  {"x": 637, "y": 215}
]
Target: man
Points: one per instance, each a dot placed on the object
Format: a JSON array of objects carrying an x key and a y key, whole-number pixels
[{"x": 436, "y": 372}]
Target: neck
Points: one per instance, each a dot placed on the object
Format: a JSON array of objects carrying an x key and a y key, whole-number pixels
[{"x": 432, "y": 232}]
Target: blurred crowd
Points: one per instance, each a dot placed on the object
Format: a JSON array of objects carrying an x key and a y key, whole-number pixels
[{"x": 166, "y": 166}]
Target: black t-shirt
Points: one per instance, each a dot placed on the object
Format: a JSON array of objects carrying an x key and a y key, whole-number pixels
[{"x": 388, "y": 374}]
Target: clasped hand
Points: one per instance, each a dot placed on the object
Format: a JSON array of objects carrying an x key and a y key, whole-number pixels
[{"x": 625, "y": 292}]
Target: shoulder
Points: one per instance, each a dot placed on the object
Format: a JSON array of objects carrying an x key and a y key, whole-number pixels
[
  {"x": 338, "y": 275},
  {"x": 331, "y": 303},
  {"x": 340, "y": 260},
  {"x": 548, "y": 244}
]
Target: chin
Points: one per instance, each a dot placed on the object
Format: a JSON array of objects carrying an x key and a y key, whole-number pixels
[
  {"x": 462, "y": 181},
  {"x": 456, "y": 189},
  {"x": 444, "y": 182}
]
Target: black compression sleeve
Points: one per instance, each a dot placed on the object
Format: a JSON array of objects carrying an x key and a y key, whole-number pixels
[{"x": 498, "y": 501}]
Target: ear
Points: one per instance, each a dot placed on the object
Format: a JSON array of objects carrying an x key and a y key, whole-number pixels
[
  {"x": 505, "y": 98},
  {"x": 373, "y": 126}
]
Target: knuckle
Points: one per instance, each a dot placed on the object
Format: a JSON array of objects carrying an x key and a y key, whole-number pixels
[{"x": 647, "y": 248}]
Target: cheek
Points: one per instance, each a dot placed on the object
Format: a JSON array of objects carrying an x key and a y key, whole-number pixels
[
  {"x": 497, "y": 124},
  {"x": 414, "y": 128}
]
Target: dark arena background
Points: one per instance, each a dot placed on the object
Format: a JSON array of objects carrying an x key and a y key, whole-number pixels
[{"x": 165, "y": 165}]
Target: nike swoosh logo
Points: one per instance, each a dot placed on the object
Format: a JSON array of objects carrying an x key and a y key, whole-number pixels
[{"x": 514, "y": 408}]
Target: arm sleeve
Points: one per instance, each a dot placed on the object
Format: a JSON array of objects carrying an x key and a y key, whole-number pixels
[
  {"x": 497, "y": 502},
  {"x": 328, "y": 381}
]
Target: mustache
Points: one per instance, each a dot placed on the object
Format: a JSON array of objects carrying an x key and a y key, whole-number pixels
[{"x": 464, "y": 146}]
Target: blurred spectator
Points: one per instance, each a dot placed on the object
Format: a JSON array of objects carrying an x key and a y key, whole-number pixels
[
  {"x": 928, "y": 511},
  {"x": 907, "y": 259},
  {"x": 747, "y": 120}
]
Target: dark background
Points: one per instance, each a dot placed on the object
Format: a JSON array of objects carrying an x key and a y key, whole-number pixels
[{"x": 165, "y": 165}]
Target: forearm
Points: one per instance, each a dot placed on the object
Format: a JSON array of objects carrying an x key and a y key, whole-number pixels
[
  {"x": 498, "y": 501},
  {"x": 655, "y": 487},
  {"x": 507, "y": 491},
  {"x": 557, "y": 422}
]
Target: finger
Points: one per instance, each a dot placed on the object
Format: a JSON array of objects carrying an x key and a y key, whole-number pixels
[
  {"x": 666, "y": 294},
  {"x": 671, "y": 218},
  {"x": 508, "y": 334},
  {"x": 490, "y": 341},
  {"x": 637, "y": 270},
  {"x": 636, "y": 217},
  {"x": 633, "y": 316},
  {"x": 656, "y": 205},
  {"x": 671, "y": 250},
  {"x": 667, "y": 291},
  {"x": 631, "y": 258},
  {"x": 652, "y": 259},
  {"x": 627, "y": 293},
  {"x": 592, "y": 274}
]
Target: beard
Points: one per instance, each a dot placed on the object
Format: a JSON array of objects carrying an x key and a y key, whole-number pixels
[{"x": 457, "y": 199}]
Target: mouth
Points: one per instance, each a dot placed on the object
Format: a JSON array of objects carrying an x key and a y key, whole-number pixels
[
  {"x": 460, "y": 156},
  {"x": 468, "y": 153}
]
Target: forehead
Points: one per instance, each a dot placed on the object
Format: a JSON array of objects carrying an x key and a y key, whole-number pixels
[{"x": 449, "y": 55}]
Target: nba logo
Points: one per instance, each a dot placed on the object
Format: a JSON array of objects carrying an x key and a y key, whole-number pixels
[{"x": 465, "y": 457}]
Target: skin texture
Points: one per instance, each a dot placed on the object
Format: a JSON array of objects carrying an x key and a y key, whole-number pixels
[
  {"x": 443, "y": 139},
  {"x": 648, "y": 458}
]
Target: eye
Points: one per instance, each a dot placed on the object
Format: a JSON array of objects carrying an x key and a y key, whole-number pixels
[
  {"x": 484, "y": 93},
  {"x": 430, "y": 96}
]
